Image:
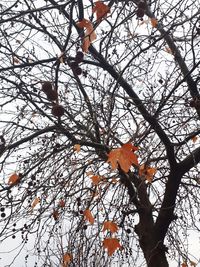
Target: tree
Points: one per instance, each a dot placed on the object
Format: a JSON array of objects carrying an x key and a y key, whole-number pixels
[{"x": 100, "y": 111}]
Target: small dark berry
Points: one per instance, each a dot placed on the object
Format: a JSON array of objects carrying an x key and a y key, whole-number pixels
[
  {"x": 52, "y": 95},
  {"x": 79, "y": 54},
  {"x": 2, "y": 209},
  {"x": 3, "y": 214},
  {"x": 57, "y": 145},
  {"x": 46, "y": 87},
  {"x": 79, "y": 57},
  {"x": 33, "y": 177},
  {"x": 73, "y": 65},
  {"x": 85, "y": 73},
  {"x": 30, "y": 183},
  {"x": 58, "y": 110},
  {"x": 140, "y": 13},
  {"x": 142, "y": 5},
  {"x": 78, "y": 71},
  {"x": 128, "y": 231}
]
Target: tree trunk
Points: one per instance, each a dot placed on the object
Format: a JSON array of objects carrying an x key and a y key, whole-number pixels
[
  {"x": 154, "y": 250},
  {"x": 155, "y": 256}
]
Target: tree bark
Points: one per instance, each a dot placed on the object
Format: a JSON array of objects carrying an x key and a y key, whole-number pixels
[
  {"x": 154, "y": 251},
  {"x": 158, "y": 260},
  {"x": 150, "y": 240}
]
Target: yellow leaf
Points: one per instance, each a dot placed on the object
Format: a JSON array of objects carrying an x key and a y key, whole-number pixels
[
  {"x": 101, "y": 10},
  {"x": 110, "y": 226},
  {"x": 154, "y": 22},
  {"x": 95, "y": 179},
  {"x": 90, "y": 34},
  {"x": 88, "y": 216},
  {"x": 194, "y": 139},
  {"x": 111, "y": 244},
  {"x": 77, "y": 147},
  {"x": 13, "y": 179},
  {"x": 35, "y": 202},
  {"x": 123, "y": 156},
  {"x": 147, "y": 172}
]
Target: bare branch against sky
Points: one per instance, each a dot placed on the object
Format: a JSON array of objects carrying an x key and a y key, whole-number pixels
[{"x": 99, "y": 133}]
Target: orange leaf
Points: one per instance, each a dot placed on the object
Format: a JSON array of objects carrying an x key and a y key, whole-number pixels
[
  {"x": 35, "y": 202},
  {"x": 168, "y": 50},
  {"x": 123, "y": 156},
  {"x": 61, "y": 203},
  {"x": 184, "y": 264},
  {"x": 67, "y": 257},
  {"x": 16, "y": 60},
  {"x": 194, "y": 139},
  {"x": 55, "y": 215},
  {"x": 13, "y": 179},
  {"x": 192, "y": 263},
  {"x": 96, "y": 179},
  {"x": 88, "y": 216},
  {"x": 111, "y": 244},
  {"x": 147, "y": 172},
  {"x": 110, "y": 226},
  {"x": 101, "y": 10},
  {"x": 77, "y": 147},
  {"x": 61, "y": 57},
  {"x": 114, "y": 181},
  {"x": 89, "y": 173},
  {"x": 154, "y": 22},
  {"x": 90, "y": 34}
]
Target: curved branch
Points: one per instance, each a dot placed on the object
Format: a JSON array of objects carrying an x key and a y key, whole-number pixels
[{"x": 146, "y": 115}]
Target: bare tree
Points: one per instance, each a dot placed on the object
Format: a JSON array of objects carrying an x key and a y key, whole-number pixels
[{"x": 63, "y": 110}]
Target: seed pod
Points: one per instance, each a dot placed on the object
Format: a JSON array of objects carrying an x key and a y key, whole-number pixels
[
  {"x": 73, "y": 65},
  {"x": 46, "y": 87},
  {"x": 140, "y": 13},
  {"x": 192, "y": 103},
  {"x": 78, "y": 71},
  {"x": 79, "y": 57},
  {"x": 142, "y": 5},
  {"x": 52, "y": 95},
  {"x": 197, "y": 105},
  {"x": 58, "y": 110}
]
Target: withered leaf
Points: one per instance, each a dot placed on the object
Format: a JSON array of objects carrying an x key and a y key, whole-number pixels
[
  {"x": 123, "y": 156},
  {"x": 88, "y": 216},
  {"x": 111, "y": 226},
  {"x": 111, "y": 244}
]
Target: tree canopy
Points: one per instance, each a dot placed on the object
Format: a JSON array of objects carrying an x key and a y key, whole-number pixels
[{"x": 99, "y": 131}]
